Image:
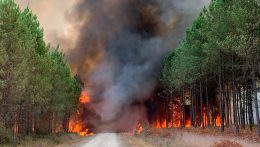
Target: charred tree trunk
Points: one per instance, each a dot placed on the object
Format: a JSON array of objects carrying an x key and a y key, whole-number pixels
[
  {"x": 171, "y": 93},
  {"x": 181, "y": 111},
  {"x": 183, "y": 107},
  {"x": 213, "y": 112},
  {"x": 192, "y": 105},
  {"x": 201, "y": 107},
  {"x": 207, "y": 103},
  {"x": 167, "y": 113},
  {"x": 195, "y": 108},
  {"x": 161, "y": 121}
]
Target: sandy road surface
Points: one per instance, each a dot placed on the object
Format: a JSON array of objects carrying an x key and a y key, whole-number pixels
[{"x": 103, "y": 140}]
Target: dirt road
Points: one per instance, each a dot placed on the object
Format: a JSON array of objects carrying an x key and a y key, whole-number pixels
[{"x": 103, "y": 140}]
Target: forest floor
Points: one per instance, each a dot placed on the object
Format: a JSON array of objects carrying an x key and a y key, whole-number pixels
[
  {"x": 151, "y": 138},
  {"x": 47, "y": 140},
  {"x": 171, "y": 138},
  {"x": 189, "y": 138}
]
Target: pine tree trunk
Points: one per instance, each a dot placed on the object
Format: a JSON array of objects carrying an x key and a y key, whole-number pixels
[
  {"x": 201, "y": 107},
  {"x": 241, "y": 108},
  {"x": 183, "y": 106},
  {"x": 246, "y": 106},
  {"x": 227, "y": 105},
  {"x": 256, "y": 104},
  {"x": 250, "y": 111},
  {"x": 195, "y": 108},
  {"x": 181, "y": 109},
  {"x": 192, "y": 106},
  {"x": 221, "y": 100},
  {"x": 234, "y": 97},
  {"x": 207, "y": 101},
  {"x": 171, "y": 92},
  {"x": 161, "y": 121},
  {"x": 238, "y": 106},
  {"x": 166, "y": 113},
  {"x": 213, "y": 112}
]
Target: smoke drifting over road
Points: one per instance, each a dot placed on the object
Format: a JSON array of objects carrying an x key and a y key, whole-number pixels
[{"x": 119, "y": 48}]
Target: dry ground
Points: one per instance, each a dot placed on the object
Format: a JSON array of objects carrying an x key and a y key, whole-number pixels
[
  {"x": 48, "y": 141},
  {"x": 187, "y": 138},
  {"x": 155, "y": 138}
]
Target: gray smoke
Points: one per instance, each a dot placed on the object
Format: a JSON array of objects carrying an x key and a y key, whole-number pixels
[{"x": 121, "y": 46}]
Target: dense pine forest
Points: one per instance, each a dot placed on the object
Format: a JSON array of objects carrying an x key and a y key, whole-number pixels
[
  {"x": 215, "y": 70},
  {"x": 37, "y": 91},
  {"x": 211, "y": 80}
]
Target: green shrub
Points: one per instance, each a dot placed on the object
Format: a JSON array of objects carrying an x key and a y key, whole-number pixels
[{"x": 7, "y": 136}]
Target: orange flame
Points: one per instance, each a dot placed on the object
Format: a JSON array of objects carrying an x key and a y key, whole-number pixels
[
  {"x": 77, "y": 126},
  {"x": 139, "y": 128},
  {"x": 218, "y": 124},
  {"x": 84, "y": 98},
  {"x": 162, "y": 124}
]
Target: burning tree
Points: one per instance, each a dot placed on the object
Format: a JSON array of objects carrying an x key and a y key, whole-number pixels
[{"x": 84, "y": 120}]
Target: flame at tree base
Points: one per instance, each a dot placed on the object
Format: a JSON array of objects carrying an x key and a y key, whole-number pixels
[
  {"x": 176, "y": 123},
  {"x": 75, "y": 125},
  {"x": 139, "y": 128}
]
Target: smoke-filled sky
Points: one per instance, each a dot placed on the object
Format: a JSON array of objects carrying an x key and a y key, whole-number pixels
[
  {"x": 52, "y": 14},
  {"x": 116, "y": 46}
]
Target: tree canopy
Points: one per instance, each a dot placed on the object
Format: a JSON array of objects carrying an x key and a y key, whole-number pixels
[
  {"x": 35, "y": 80},
  {"x": 221, "y": 48}
]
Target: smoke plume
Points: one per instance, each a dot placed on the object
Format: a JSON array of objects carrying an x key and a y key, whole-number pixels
[{"x": 119, "y": 49}]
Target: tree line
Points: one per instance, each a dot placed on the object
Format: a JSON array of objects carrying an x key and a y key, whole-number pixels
[
  {"x": 216, "y": 68},
  {"x": 37, "y": 91}
]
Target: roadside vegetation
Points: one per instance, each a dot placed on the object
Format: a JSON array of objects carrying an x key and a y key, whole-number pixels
[
  {"x": 215, "y": 71},
  {"x": 37, "y": 91}
]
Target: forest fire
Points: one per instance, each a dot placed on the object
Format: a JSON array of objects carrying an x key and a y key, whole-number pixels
[
  {"x": 161, "y": 122},
  {"x": 139, "y": 128},
  {"x": 75, "y": 125},
  {"x": 84, "y": 98}
]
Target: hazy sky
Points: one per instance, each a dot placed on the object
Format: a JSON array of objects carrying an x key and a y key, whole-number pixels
[{"x": 51, "y": 14}]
